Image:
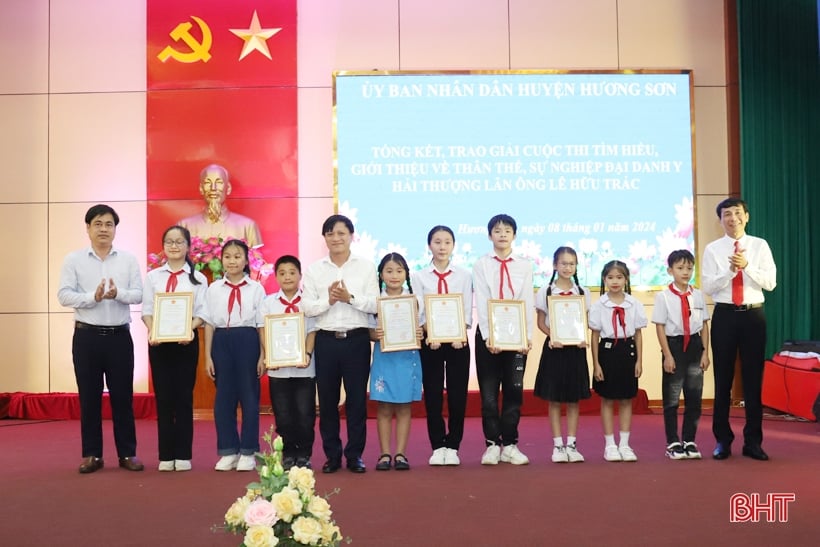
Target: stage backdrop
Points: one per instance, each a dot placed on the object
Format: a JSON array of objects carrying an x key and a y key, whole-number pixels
[
  {"x": 600, "y": 161},
  {"x": 222, "y": 89}
]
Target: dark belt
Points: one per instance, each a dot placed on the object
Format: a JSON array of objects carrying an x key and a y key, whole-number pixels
[
  {"x": 681, "y": 337},
  {"x": 742, "y": 307},
  {"x": 341, "y": 334},
  {"x": 101, "y": 330}
]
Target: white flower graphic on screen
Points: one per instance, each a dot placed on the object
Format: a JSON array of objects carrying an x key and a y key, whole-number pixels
[
  {"x": 588, "y": 246},
  {"x": 670, "y": 241},
  {"x": 685, "y": 217},
  {"x": 528, "y": 249},
  {"x": 364, "y": 245},
  {"x": 641, "y": 250},
  {"x": 348, "y": 211},
  {"x": 393, "y": 248}
]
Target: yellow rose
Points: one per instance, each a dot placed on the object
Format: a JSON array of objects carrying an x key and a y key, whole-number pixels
[
  {"x": 319, "y": 508},
  {"x": 260, "y": 536},
  {"x": 287, "y": 503},
  {"x": 236, "y": 512},
  {"x": 307, "y": 530},
  {"x": 302, "y": 479},
  {"x": 330, "y": 533}
]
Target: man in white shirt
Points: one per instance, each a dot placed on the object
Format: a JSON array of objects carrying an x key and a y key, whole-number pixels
[
  {"x": 101, "y": 282},
  {"x": 737, "y": 268},
  {"x": 340, "y": 291}
]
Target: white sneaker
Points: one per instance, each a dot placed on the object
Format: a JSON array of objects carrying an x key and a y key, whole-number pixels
[
  {"x": 675, "y": 451},
  {"x": 573, "y": 455},
  {"x": 246, "y": 463},
  {"x": 612, "y": 454},
  {"x": 166, "y": 465},
  {"x": 227, "y": 463},
  {"x": 451, "y": 457},
  {"x": 511, "y": 454},
  {"x": 559, "y": 454},
  {"x": 438, "y": 456},
  {"x": 182, "y": 465},
  {"x": 627, "y": 454},
  {"x": 691, "y": 450},
  {"x": 491, "y": 455}
]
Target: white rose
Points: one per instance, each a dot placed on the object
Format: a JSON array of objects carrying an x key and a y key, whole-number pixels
[
  {"x": 302, "y": 479},
  {"x": 319, "y": 508},
  {"x": 307, "y": 530},
  {"x": 260, "y": 536},
  {"x": 236, "y": 512},
  {"x": 330, "y": 533},
  {"x": 287, "y": 503}
]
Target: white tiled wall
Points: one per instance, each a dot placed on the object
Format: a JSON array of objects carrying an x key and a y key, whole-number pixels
[{"x": 72, "y": 105}]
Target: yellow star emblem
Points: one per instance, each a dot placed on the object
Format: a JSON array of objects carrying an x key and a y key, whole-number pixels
[{"x": 255, "y": 37}]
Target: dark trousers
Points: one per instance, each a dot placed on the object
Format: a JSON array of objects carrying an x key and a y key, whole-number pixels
[
  {"x": 454, "y": 364},
  {"x": 503, "y": 370},
  {"x": 173, "y": 373},
  {"x": 688, "y": 376},
  {"x": 109, "y": 357},
  {"x": 743, "y": 331},
  {"x": 294, "y": 408},
  {"x": 235, "y": 352},
  {"x": 342, "y": 360}
]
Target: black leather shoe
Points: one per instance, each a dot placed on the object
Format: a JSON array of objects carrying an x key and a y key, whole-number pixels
[
  {"x": 331, "y": 466},
  {"x": 722, "y": 451},
  {"x": 303, "y": 461},
  {"x": 755, "y": 452},
  {"x": 131, "y": 463},
  {"x": 356, "y": 465},
  {"x": 91, "y": 464}
]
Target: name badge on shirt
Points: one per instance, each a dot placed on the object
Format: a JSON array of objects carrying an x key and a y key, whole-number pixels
[{"x": 607, "y": 345}]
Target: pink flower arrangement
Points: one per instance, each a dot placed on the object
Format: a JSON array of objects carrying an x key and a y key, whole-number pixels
[{"x": 205, "y": 255}]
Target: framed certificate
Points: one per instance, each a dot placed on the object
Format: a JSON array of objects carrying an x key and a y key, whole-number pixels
[
  {"x": 398, "y": 319},
  {"x": 173, "y": 313},
  {"x": 445, "y": 318},
  {"x": 508, "y": 325},
  {"x": 568, "y": 319},
  {"x": 285, "y": 340}
]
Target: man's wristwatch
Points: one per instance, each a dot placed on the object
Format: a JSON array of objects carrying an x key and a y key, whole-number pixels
[{"x": 351, "y": 299}]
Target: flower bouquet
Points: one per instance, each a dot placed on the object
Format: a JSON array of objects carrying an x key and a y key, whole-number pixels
[
  {"x": 205, "y": 255},
  {"x": 281, "y": 508}
]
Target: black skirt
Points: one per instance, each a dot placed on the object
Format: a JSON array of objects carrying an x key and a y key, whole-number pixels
[
  {"x": 617, "y": 359},
  {"x": 563, "y": 374}
]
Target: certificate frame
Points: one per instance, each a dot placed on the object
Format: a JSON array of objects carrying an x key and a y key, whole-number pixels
[
  {"x": 442, "y": 326},
  {"x": 568, "y": 319},
  {"x": 508, "y": 325},
  {"x": 398, "y": 318},
  {"x": 173, "y": 315},
  {"x": 285, "y": 340}
]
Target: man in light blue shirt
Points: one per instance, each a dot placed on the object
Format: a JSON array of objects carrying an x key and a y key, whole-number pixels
[{"x": 100, "y": 283}]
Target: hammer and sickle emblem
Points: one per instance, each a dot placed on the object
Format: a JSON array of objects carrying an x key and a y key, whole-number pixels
[{"x": 199, "y": 50}]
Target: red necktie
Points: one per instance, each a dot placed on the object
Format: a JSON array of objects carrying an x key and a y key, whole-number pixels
[
  {"x": 290, "y": 307},
  {"x": 737, "y": 283},
  {"x": 171, "y": 284},
  {"x": 565, "y": 293},
  {"x": 235, "y": 296},
  {"x": 618, "y": 316},
  {"x": 504, "y": 272},
  {"x": 685, "y": 312},
  {"x": 442, "y": 282}
]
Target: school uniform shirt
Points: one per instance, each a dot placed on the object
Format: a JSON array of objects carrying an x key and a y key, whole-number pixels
[
  {"x": 457, "y": 280},
  {"x": 760, "y": 275},
  {"x": 157, "y": 280},
  {"x": 541, "y": 298},
  {"x": 243, "y": 314},
  {"x": 273, "y": 305},
  {"x": 80, "y": 276},
  {"x": 667, "y": 312},
  {"x": 360, "y": 278},
  {"x": 600, "y": 317},
  {"x": 487, "y": 283}
]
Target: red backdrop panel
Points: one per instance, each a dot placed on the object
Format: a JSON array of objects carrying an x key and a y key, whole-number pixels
[{"x": 196, "y": 30}]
